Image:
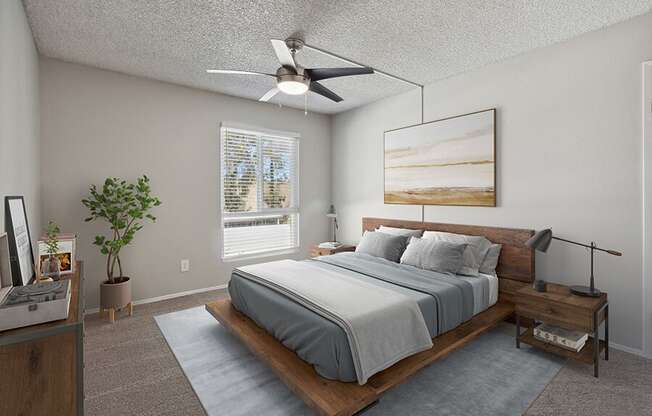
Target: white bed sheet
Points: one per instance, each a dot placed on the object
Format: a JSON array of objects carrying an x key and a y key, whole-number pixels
[
  {"x": 478, "y": 290},
  {"x": 493, "y": 288}
]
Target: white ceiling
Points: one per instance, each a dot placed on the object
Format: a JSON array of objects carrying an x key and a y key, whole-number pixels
[{"x": 423, "y": 41}]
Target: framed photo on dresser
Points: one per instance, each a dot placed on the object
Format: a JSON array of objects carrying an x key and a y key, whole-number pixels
[{"x": 66, "y": 253}]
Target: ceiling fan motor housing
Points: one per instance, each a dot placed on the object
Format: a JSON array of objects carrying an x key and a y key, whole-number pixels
[{"x": 294, "y": 44}]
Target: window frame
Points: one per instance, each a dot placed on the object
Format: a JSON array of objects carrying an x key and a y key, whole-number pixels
[{"x": 295, "y": 207}]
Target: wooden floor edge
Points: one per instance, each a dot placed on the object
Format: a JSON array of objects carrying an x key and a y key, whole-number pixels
[{"x": 335, "y": 398}]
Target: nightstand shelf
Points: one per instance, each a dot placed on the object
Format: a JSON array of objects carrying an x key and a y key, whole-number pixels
[{"x": 585, "y": 355}]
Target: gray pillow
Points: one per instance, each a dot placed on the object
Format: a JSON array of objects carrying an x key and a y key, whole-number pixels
[
  {"x": 437, "y": 255},
  {"x": 490, "y": 261},
  {"x": 475, "y": 252},
  {"x": 383, "y": 245},
  {"x": 405, "y": 232}
]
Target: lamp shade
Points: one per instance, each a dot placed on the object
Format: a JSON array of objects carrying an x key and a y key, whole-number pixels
[
  {"x": 331, "y": 212},
  {"x": 540, "y": 241},
  {"x": 293, "y": 87}
]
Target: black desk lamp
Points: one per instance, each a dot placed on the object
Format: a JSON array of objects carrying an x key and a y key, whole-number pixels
[{"x": 541, "y": 241}]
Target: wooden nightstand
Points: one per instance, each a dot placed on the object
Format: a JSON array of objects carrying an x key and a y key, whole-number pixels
[
  {"x": 559, "y": 307},
  {"x": 316, "y": 251}
]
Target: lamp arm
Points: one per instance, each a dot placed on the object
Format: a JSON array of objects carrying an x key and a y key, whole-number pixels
[
  {"x": 572, "y": 242},
  {"x": 612, "y": 252}
]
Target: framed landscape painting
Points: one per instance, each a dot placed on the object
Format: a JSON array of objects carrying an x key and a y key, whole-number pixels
[{"x": 444, "y": 162}]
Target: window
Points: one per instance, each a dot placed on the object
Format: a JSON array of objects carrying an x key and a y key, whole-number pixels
[{"x": 260, "y": 204}]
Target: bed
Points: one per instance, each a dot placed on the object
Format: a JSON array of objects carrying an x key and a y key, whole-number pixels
[
  {"x": 323, "y": 344},
  {"x": 313, "y": 355}
]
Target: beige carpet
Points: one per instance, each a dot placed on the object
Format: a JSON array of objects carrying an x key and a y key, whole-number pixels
[
  {"x": 131, "y": 371},
  {"x": 129, "y": 368},
  {"x": 624, "y": 388}
]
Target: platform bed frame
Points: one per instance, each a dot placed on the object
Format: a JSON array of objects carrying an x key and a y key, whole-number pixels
[{"x": 335, "y": 398}]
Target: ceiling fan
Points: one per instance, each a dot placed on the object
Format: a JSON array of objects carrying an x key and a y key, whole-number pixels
[{"x": 292, "y": 78}]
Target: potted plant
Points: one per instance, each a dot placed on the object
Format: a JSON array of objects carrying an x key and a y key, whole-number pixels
[
  {"x": 125, "y": 206},
  {"x": 51, "y": 266}
]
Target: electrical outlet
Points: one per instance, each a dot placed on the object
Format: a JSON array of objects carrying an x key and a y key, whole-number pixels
[{"x": 185, "y": 265}]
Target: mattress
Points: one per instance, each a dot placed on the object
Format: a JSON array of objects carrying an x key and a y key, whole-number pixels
[{"x": 321, "y": 342}]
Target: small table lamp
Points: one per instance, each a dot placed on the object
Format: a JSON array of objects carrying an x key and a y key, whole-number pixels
[
  {"x": 332, "y": 214},
  {"x": 541, "y": 241}
]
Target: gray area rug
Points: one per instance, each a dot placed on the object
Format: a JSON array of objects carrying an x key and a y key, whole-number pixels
[{"x": 488, "y": 376}]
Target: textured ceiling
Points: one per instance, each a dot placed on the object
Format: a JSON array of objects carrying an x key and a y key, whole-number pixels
[{"x": 424, "y": 41}]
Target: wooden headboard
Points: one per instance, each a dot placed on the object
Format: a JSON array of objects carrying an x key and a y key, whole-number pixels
[{"x": 516, "y": 262}]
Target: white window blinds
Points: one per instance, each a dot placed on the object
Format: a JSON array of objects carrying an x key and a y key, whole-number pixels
[{"x": 260, "y": 204}]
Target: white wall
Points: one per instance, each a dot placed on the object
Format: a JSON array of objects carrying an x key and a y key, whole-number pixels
[
  {"x": 19, "y": 113},
  {"x": 568, "y": 157},
  {"x": 647, "y": 198},
  {"x": 98, "y": 123}
]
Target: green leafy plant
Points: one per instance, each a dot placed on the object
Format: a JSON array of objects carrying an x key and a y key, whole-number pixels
[
  {"x": 52, "y": 243},
  {"x": 125, "y": 206}
]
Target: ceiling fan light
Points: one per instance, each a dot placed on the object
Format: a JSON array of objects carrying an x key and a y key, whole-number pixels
[{"x": 293, "y": 87}]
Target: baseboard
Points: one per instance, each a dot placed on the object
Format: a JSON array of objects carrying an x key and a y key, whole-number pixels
[
  {"x": 166, "y": 297},
  {"x": 624, "y": 348}
]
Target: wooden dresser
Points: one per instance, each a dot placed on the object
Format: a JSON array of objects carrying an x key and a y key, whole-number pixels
[{"x": 42, "y": 366}]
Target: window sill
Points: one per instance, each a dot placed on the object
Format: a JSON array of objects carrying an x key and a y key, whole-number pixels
[{"x": 244, "y": 257}]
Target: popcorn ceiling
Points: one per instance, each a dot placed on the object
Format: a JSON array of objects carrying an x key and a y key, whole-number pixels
[{"x": 423, "y": 41}]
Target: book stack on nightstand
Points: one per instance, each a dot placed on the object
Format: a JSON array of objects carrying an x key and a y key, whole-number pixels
[{"x": 564, "y": 338}]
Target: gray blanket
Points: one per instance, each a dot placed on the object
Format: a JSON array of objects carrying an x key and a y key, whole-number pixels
[
  {"x": 454, "y": 296},
  {"x": 321, "y": 342},
  {"x": 381, "y": 331}
]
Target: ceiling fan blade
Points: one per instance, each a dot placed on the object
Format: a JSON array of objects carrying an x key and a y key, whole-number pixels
[
  {"x": 230, "y": 71},
  {"x": 269, "y": 94},
  {"x": 317, "y": 74},
  {"x": 283, "y": 54},
  {"x": 325, "y": 92}
]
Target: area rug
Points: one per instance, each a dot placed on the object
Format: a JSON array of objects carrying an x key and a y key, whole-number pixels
[{"x": 488, "y": 376}]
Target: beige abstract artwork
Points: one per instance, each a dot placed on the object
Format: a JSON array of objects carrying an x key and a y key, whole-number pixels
[{"x": 444, "y": 162}]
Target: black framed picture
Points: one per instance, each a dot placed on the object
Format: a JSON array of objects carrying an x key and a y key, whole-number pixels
[{"x": 21, "y": 254}]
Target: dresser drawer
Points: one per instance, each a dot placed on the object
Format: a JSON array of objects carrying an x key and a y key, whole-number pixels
[{"x": 565, "y": 316}]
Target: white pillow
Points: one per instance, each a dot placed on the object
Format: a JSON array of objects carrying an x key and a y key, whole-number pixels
[
  {"x": 404, "y": 232},
  {"x": 476, "y": 249}
]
